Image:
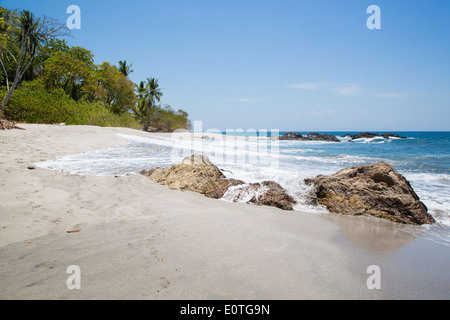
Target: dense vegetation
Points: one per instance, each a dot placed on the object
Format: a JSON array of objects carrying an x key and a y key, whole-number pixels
[{"x": 44, "y": 80}]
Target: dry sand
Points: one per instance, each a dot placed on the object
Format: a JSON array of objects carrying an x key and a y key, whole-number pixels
[{"x": 140, "y": 240}]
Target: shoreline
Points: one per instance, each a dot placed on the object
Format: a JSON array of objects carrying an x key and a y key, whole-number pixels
[{"x": 141, "y": 240}]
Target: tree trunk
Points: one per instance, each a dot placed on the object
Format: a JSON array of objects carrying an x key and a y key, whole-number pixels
[
  {"x": 6, "y": 75},
  {"x": 8, "y": 95},
  {"x": 19, "y": 74},
  {"x": 147, "y": 123}
]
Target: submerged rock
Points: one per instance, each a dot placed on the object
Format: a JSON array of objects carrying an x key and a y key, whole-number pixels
[
  {"x": 377, "y": 190},
  {"x": 365, "y": 135},
  {"x": 268, "y": 193},
  {"x": 392, "y": 135}
]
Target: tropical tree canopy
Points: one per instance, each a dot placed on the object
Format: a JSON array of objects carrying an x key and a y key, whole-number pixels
[
  {"x": 119, "y": 90},
  {"x": 72, "y": 69},
  {"x": 28, "y": 35}
]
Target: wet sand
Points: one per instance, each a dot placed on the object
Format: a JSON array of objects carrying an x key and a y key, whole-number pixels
[{"x": 141, "y": 240}]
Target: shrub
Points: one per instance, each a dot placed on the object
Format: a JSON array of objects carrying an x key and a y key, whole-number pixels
[{"x": 32, "y": 103}]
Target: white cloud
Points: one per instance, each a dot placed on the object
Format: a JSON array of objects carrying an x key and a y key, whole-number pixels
[
  {"x": 343, "y": 89},
  {"x": 317, "y": 113},
  {"x": 347, "y": 89},
  {"x": 320, "y": 113},
  {"x": 388, "y": 95},
  {"x": 248, "y": 100},
  {"x": 307, "y": 86}
]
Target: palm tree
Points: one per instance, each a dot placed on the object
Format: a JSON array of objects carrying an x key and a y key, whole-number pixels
[
  {"x": 142, "y": 96},
  {"x": 152, "y": 93},
  {"x": 124, "y": 68},
  {"x": 7, "y": 47},
  {"x": 29, "y": 35},
  {"x": 28, "y": 39}
]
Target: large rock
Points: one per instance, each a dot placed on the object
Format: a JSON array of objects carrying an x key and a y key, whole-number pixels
[
  {"x": 377, "y": 190},
  {"x": 268, "y": 193},
  {"x": 195, "y": 173}
]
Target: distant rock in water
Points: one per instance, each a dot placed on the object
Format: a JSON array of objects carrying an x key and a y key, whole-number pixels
[
  {"x": 321, "y": 137},
  {"x": 291, "y": 136},
  {"x": 377, "y": 190},
  {"x": 366, "y": 135},
  {"x": 197, "y": 173},
  {"x": 314, "y": 136},
  {"x": 363, "y": 135},
  {"x": 392, "y": 135}
]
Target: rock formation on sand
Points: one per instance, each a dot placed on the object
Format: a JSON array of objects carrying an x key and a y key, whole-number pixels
[
  {"x": 377, "y": 190},
  {"x": 314, "y": 136},
  {"x": 197, "y": 173}
]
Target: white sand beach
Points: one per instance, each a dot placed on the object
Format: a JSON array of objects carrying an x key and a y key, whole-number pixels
[{"x": 141, "y": 240}]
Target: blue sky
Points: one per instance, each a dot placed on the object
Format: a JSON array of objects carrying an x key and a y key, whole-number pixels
[{"x": 304, "y": 65}]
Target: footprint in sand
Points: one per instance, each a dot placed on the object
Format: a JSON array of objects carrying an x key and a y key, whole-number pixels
[
  {"x": 164, "y": 283},
  {"x": 58, "y": 220}
]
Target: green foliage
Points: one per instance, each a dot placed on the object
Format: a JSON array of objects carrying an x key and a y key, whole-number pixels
[
  {"x": 72, "y": 70},
  {"x": 55, "y": 45},
  {"x": 8, "y": 47},
  {"x": 166, "y": 119},
  {"x": 118, "y": 89},
  {"x": 3, "y": 33},
  {"x": 33, "y": 103}
]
